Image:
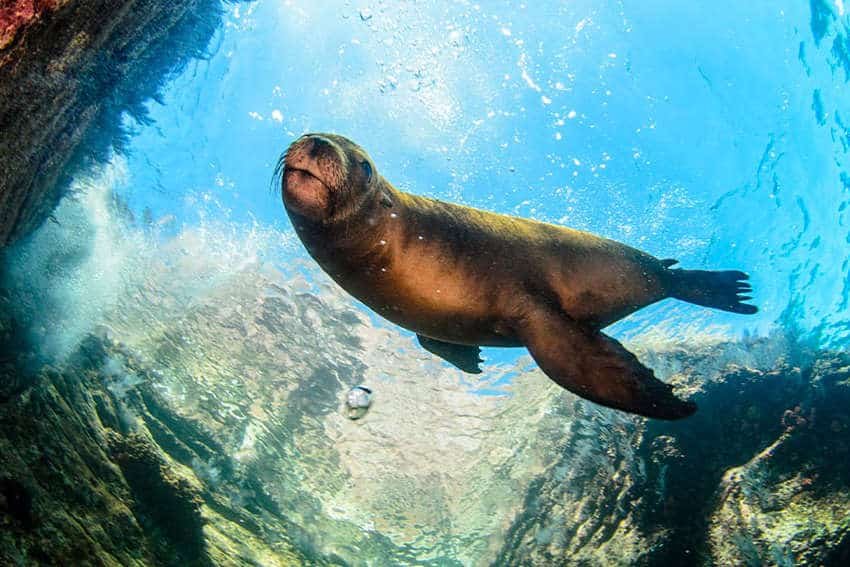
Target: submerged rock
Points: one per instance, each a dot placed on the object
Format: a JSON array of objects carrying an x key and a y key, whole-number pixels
[
  {"x": 69, "y": 70},
  {"x": 749, "y": 480},
  {"x": 197, "y": 444}
]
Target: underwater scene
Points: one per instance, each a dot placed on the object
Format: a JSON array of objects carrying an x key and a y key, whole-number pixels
[{"x": 445, "y": 283}]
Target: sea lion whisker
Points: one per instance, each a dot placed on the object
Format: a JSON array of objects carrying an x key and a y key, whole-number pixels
[{"x": 276, "y": 181}]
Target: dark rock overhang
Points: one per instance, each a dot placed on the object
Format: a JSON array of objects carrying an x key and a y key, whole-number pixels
[{"x": 69, "y": 70}]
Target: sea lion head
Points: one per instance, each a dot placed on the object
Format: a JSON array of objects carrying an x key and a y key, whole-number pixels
[{"x": 326, "y": 177}]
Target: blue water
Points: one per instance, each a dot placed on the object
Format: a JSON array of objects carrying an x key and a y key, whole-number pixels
[{"x": 715, "y": 136}]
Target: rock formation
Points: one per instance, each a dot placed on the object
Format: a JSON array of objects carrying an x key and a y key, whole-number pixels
[
  {"x": 205, "y": 418},
  {"x": 69, "y": 69}
]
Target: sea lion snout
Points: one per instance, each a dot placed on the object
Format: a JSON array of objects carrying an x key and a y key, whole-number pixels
[
  {"x": 318, "y": 155},
  {"x": 313, "y": 169},
  {"x": 325, "y": 177},
  {"x": 318, "y": 145}
]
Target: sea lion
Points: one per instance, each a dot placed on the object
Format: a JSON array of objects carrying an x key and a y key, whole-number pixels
[{"x": 461, "y": 278}]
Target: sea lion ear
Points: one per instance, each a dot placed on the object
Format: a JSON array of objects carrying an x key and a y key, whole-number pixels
[{"x": 386, "y": 200}]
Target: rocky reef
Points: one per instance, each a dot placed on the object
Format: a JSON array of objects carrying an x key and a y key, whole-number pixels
[
  {"x": 212, "y": 430},
  {"x": 756, "y": 477},
  {"x": 84, "y": 482},
  {"x": 69, "y": 70}
]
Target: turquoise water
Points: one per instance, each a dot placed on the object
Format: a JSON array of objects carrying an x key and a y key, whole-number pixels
[{"x": 715, "y": 135}]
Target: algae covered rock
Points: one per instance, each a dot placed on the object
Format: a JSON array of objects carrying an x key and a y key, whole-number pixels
[
  {"x": 709, "y": 490},
  {"x": 83, "y": 479},
  {"x": 209, "y": 427},
  {"x": 69, "y": 69},
  {"x": 163, "y": 497},
  {"x": 792, "y": 498}
]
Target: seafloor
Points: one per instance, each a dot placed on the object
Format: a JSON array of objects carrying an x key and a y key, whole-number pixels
[{"x": 176, "y": 450}]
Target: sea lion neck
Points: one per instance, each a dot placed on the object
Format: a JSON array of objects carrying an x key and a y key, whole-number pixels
[{"x": 352, "y": 232}]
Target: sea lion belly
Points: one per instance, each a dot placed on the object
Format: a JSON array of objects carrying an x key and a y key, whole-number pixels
[{"x": 413, "y": 287}]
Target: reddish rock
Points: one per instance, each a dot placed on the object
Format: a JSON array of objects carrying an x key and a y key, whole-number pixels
[{"x": 16, "y": 14}]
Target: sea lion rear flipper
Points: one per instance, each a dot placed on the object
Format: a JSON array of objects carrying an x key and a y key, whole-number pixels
[
  {"x": 726, "y": 290},
  {"x": 597, "y": 367},
  {"x": 464, "y": 357}
]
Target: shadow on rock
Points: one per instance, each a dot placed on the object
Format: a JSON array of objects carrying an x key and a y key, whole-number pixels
[{"x": 167, "y": 505}]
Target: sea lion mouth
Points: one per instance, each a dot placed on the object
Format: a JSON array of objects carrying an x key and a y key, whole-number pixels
[
  {"x": 287, "y": 169},
  {"x": 315, "y": 173},
  {"x": 305, "y": 192}
]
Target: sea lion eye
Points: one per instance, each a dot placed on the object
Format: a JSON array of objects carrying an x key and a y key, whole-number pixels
[{"x": 367, "y": 170}]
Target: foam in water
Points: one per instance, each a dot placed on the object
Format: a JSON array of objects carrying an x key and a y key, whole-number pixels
[{"x": 75, "y": 269}]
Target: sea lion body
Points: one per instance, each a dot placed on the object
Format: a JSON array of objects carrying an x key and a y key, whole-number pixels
[
  {"x": 461, "y": 275},
  {"x": 462, "y": 278}
]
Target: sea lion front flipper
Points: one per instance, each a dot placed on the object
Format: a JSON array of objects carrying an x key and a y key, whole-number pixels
[
  {"x": 597, "y": 367},
  {"x": 464, "y": 357}
]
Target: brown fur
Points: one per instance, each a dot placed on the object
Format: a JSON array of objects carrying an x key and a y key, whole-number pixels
[{"x": 470, "y": 277}]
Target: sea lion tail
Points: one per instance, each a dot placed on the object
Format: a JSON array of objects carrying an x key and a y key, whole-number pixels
[{"x": 726, "y": 290}]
